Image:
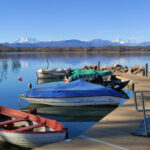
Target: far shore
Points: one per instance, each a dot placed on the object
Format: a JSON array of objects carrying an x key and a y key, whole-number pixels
[{"x": 84, "y": 50}]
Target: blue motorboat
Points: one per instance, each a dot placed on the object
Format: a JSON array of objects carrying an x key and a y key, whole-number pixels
[{"x": 76, "y": 93}]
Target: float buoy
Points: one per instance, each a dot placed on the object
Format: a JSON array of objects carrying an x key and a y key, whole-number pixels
[
  {"x": 20, "y": 79},
  {"x": 65, "y": 80},
  {"x": 29, "y": 85}
]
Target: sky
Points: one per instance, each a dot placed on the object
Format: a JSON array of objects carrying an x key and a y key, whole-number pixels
[{"x": 75, "y": 19}]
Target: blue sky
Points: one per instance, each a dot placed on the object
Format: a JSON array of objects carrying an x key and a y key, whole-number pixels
[{"x": 75, "y": 19}]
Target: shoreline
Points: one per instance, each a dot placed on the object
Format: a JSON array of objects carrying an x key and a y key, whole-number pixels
[
  {"x": 108, "y": 52},
  {"x": 105, "y": 49}
]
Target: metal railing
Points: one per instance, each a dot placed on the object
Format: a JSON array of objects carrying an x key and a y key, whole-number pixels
[{"x": 143, "y": 107}]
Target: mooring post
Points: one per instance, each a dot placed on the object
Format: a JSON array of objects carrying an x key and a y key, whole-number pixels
[
  {"x": 30, "y": 85},
  {"x": 146, "y": 69},
  {"x": 98, "y": 65},
  {"x": 133, "y": 87},
  {"x": 144, "y": 72},
  {"x": 47, "y": 63}
]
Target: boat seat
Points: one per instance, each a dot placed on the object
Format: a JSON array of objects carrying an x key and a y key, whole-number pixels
[
  {"x": 29, "y": 127},
  {"x": 11, "y": 121},
  {"x": 40, "y": 129}
]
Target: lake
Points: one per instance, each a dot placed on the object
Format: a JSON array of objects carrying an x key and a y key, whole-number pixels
[{"x": 25, "y": 65}]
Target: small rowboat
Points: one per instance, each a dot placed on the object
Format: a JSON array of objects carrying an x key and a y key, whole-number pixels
[{"x": 28, "y": 130}]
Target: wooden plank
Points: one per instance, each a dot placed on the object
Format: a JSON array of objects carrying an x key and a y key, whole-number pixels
[
  {"x": 29, "y": 127},
  {"x": 11, "y": 121}
]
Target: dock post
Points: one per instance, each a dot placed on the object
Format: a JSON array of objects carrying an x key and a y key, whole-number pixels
[
  {"x": 146, "y": 69},
  {"x": 144, "y": 72},
  {"x": 133, "y": 87},
  {"x": 98, "y": 65}
]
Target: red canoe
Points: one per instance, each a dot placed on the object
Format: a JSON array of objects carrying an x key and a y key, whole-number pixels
[{"x": 28, "y": 130}]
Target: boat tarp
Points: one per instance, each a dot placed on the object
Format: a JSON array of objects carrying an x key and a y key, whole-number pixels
[
  {"x": 90, "y": 73},
  {"x": 72, "y": 89}
]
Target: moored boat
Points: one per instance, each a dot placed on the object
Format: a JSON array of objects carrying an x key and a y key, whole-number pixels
[
  {"x": 76, "y": 93},
  {"x": 52, "y": 73},
  {"x": 117, "y": 84},
  {"x": 105, "y": 78},
  {"x": 28, "y": 130},
  {"x": 88, "y": 75}
]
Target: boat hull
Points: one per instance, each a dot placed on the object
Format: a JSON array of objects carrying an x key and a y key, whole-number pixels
[
  {"x": 31, "y": 140},
  {"x": 76, "y": 101},
  {"x": 50, "y": 75}
]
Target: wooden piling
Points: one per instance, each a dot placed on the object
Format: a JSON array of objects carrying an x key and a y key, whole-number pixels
[
  {"x": 98, "y": 65},
  {"x": 144, "y": 72},
  {"x": 146, "y": 69},
  {"x": 47, "y": 64},
  {"x": 133, "y": 87}
]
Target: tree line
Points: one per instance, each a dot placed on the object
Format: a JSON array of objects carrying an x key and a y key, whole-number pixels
[{"x": 115, "y": 49}]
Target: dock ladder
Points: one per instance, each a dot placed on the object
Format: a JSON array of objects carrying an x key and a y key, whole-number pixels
[{"x": 144, "y": 128}]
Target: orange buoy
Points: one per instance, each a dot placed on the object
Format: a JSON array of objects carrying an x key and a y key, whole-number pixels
[
  {"x": 65, "y": 80},
  {"x": 20, "y": 79}
]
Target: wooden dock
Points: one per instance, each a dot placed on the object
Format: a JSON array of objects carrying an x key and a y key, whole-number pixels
[{"x": 113, "y": 132}]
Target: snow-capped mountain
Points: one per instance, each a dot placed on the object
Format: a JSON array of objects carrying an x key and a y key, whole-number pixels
[
  {"x": 124, "y": 41},
  {"x": 26, "y": 40},
  {"x": 32, "y": 42}
]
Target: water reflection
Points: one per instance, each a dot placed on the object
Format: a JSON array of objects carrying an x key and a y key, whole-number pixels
[
  {"x": 76, "y": 119},
  {"x": 15, "y": 65},
  {"x": 3, "y": 69}
]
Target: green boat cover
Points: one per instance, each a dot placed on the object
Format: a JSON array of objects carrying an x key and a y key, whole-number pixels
[{"x": 89, "y": 74}]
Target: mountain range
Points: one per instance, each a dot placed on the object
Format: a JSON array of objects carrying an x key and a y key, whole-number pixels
[{"x": 32, "y": 42}]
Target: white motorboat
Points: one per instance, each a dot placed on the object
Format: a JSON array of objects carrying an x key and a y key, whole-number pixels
[
  {"x": 52, "y": 73},
  {"x": 76, "y": 93}
]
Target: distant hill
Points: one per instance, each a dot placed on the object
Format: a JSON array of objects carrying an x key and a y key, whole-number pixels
[
  {"x": 65, "y": 43},
  {"x": 144, "y": 44},
  {"x": 31, "y": 42}
]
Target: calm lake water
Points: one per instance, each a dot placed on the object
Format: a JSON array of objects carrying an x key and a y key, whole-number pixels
[{"x": 25, "y": 65}]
